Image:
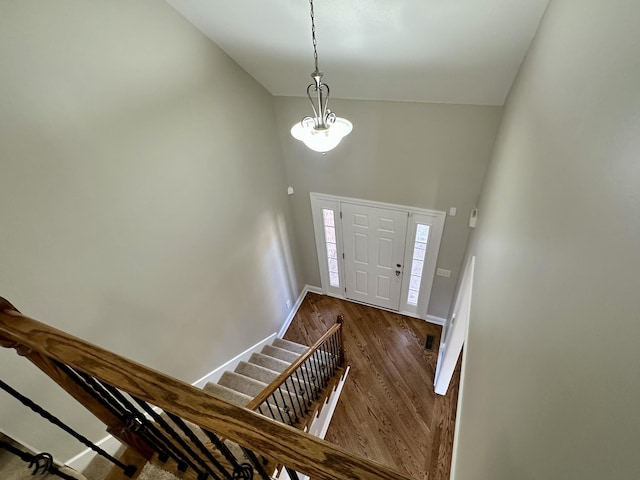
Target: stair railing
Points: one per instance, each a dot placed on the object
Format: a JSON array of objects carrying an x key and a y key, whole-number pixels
[
  {"x": 293, "y": 392},
  {"x": 128, "y": 470},
  {"x": 110, "y": 386}
]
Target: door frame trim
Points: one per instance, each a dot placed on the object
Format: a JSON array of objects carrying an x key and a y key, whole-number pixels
[{"x": 428, "y": 275}]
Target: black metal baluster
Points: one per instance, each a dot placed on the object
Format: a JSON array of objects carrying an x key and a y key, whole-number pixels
[
  {"x": 183, "y": 453},
  {"x": 324, "y": 366},
  {"x": 165, "y": 448},
  {"x": 304, "y": 389},
  {"x": 314, "y": 372},
  {"x": 293, "y": 404},
  {"x": 336, "y": 348},
  {"x": 299, "y": 389},
  {"x": 41, "y": 463},
  {"x": 332, "y": 355},
  {"x": 256, "y": 463},
  {"x": 278, "y": 409},
  {"x": 200, "y": 446},
  {"x": 224, "y": 449},
  {"x": 270, "y": 410},
  {"x": 102, "y": 396},
  {"x": 137, "y": 422},
  {"x": 128, "y": 470},
  {"x": 285, "y": 407},
  {"x": 312, "y": 392},
  {"x": 293, "y": 475}
]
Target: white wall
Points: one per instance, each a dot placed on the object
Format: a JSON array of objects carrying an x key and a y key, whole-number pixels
[
  {"x": 551, "y": 386},
  {"x": 144, "y": 204},
  {"x": 431, "y": 156}
]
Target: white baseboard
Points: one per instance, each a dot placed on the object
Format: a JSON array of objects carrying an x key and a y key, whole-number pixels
[
  {"x": 437, "y": 320},
  {"x": 111, "y": 444},
  {"x": 308, "y": 288},
  {"x": 296, "y": 306},
  {"x": 81, "y": 461},
  {"x": 215, "y": 375}
]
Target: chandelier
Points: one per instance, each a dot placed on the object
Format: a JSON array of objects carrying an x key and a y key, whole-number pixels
[{"x": 324, "y": 130}]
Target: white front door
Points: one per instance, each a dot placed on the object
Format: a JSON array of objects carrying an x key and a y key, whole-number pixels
[{"x": 374, "y": 243}]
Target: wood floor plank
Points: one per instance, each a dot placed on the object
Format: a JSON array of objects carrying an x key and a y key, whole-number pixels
[{"x": 388, "y": 410}]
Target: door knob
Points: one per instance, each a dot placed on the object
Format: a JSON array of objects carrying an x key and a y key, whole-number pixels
[{"x": 397, "y": 273}]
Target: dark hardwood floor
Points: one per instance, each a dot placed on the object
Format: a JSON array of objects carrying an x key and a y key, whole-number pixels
[{"x": 388, "y": 411}]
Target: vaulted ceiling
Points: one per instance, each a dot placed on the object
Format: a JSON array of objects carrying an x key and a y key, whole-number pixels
[{"x": 445, "y": 51}]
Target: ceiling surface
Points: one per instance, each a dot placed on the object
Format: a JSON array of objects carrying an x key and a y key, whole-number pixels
[{"x": 445, "y": 51}]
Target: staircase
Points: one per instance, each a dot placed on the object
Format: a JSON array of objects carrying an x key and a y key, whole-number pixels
[
  {"x": 241, "y": 387},
  {"x": 298, "y": 405},
  {"x": 252, "y": 424},
  {"x": 303, "y": 395}
]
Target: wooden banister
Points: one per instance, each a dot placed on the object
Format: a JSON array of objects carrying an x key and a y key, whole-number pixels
[
  {"x": 273, "y": 386},
  {"x": 300, "y": 451}
]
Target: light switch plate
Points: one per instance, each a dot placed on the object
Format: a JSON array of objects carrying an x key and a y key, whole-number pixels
[{"x": 453, "y": 211}]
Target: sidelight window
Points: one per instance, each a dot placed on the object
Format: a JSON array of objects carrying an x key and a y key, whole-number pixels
[
  {"x": 328, "y": 218},
  {"x": 417, "y": 262}
]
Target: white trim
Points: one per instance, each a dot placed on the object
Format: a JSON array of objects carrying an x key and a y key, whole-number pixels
[
  {"x": 434, "y": 218},
  {"x": 320, "y": 423},
  {"x": 317, "y": 205},
  {"x": 215, "y": 375},
  {"x": 373, "y": 203},
  {"x": 111, "y": 445},
  {"x": 437, "y": 320},
  {"x": 296, "y": 306},
  {"x": 436, "y": 229},
  {"x": 312, "y": 289},
  {"x": 459, "y": 331},
  {"x": 459, "y": 412}
]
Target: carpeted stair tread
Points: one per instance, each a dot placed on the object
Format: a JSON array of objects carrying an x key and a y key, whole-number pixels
[
  {"x": 268, "y": 362},
  {"x": 280, "y": 353},
  {"x": 279, "y": 366},
  {"x": 241, "y": 383},
  {"x": 262, "y": 374},
  {"x": 295, "y": 384},
  {"x": 289, "y": 345},
  {"x": 227, "y": 394}
]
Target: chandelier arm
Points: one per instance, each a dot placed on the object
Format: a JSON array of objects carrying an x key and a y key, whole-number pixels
[
  {"x": 313, "y": 105},
  {"x": 325, "y": 104}
]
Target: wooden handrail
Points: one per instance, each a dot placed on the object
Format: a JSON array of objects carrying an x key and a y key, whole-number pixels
[
  {"x": 301, "y": 451},
  {"x": 277, "y": 383}
]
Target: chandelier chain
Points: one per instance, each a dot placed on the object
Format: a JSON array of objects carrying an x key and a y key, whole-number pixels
[{"x": 313, "y": 36}]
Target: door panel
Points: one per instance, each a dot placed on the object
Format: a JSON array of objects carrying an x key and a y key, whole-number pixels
[
  {"x": 374, "y": 242},
  {"x": 362, "y": 282}
]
